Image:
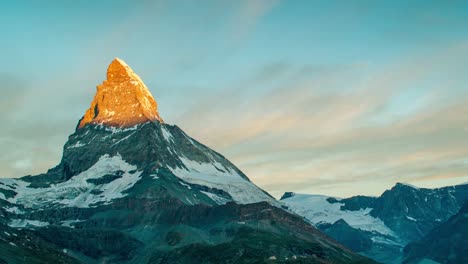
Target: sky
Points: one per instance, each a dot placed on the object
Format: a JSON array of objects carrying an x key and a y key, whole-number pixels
[{"x": 324, "y": 97}]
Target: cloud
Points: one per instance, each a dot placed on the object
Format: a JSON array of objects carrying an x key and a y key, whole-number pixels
[
  {"x": 35, "y": 120},
  {"x": 340, "y": 128},
  {"x": 249, "y": 13},
  {"x": 22, "y": 164},
  {"x": 13, "y": 91}
]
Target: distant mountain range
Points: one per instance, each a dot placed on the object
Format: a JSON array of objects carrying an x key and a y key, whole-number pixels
[
  {"x": 133, "y": 189},
  {"x": 381, "y": 227}
]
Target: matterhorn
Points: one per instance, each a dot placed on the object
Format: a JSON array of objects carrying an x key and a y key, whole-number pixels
[{"x": 131, "y": 188}]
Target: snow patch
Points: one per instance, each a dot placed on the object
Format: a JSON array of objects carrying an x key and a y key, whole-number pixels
[
  {"x": 186, "y": 185},
  {"x": 70, "y": 223},
  {"x": 166, "y": 134},
  {"x": 385, "y": 240},
  {"x": 123, "y": 139},
  {"x": 76, "y": 145},
  {"x": 24, "y": 223},
  {"x": 216, "y": 198},
  {"x": 318, "y": 210},
  {"x": 77, "y": 191},
  {"x": 228, "y": 180},
  {"x": 410, "y": 185},
  {"x": 115, "y": 130},
  {"x": 14, "y": 210}
]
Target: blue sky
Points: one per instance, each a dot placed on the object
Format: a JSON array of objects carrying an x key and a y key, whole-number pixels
[{"x": 334, "y": 97}]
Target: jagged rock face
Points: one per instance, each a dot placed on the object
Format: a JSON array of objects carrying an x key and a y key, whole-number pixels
[
  {"x": 444, "y": 244},
  {"x": 408, "y": 212},
  {"x": 132, "y": 189},
  {"x": 356, "y": 240},
  {"x": 413, "y": 211},
  {"x": 123, "y": 100}
]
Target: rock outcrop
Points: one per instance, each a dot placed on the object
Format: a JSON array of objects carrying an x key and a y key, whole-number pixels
[{"x": 123, "y": 100}]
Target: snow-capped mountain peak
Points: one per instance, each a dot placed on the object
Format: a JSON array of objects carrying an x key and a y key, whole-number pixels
[{"x": 122, "y": 128}]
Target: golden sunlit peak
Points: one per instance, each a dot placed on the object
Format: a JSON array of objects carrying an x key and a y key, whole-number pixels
[
  {"x": 118, "y": 66},
  {"x": 120, "y": 61},
  {"x": 122, "y": 100}
]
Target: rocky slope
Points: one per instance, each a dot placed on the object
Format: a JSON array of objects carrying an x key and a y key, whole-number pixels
[
  {"x": 132, "y": 189},
  {"x": 26, "y": 246},
  {"x": 380, "y": 227},
  {"x": 446, "y": 243}
]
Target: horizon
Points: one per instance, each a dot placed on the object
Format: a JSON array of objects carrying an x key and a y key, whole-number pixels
[{"x": 299, "y": 101}]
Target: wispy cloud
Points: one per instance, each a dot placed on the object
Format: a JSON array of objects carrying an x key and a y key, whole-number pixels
[
  {"x": 313, "y": 132},
  {"x": 249, "y": 12}
]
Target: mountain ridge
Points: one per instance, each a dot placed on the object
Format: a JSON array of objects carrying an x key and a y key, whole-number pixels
[{"x": 401, "y": 215}]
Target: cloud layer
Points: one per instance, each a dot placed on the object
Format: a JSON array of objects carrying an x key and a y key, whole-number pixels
[
  {"x": 312, "y": 98},
  {"x": 339, "y": 129}
]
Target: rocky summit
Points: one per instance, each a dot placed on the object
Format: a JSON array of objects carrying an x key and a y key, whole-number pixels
[
  {"x": 132, "y": 189},
  {"x": 122, "y": 100}
]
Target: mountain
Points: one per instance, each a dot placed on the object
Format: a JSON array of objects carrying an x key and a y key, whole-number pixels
[
  {"x": 380, "y": 227},
  {"x": 444, "y": 244},
  {"x": 349, "y": 223},
  {"x": 412, "y": 211},
  {"x": 122, "y": 100},
  {"x": 132, "y": 189}
]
